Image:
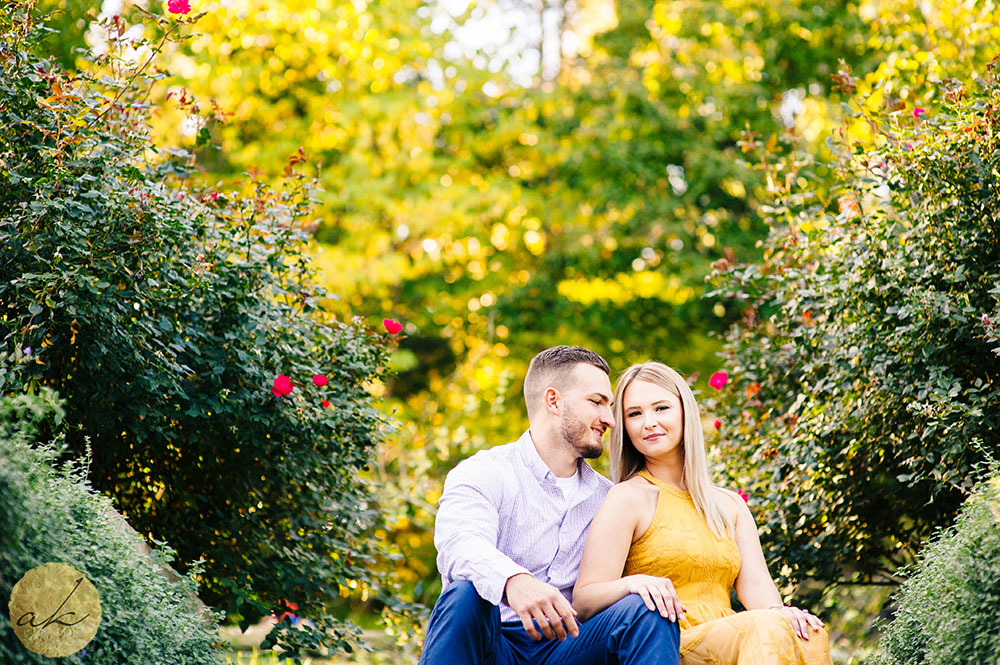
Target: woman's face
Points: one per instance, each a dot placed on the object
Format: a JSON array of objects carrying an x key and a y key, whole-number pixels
[{"x": 654, "y": 420}]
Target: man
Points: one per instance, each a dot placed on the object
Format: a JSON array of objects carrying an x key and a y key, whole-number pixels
[{"x": 510, "y": 531}]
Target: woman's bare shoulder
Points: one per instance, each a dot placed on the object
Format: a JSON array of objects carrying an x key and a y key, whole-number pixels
[
  {"x": 731, "y": 502},
  {"x": 636, "y": 491},
  {"x": 630, "y": 504}
]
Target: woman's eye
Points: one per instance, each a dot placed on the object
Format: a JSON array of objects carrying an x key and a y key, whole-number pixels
[
  {"x": 662, "y": 408},
  {"x": 632, "y": 414}
]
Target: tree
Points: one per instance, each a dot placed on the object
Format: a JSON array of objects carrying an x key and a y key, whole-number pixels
[{"x": 496, "y": 220}]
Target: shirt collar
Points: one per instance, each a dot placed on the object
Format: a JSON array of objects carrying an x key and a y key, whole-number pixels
[
  {"x": 540, "y": 470},
  {"x": 536, "y": 465}
]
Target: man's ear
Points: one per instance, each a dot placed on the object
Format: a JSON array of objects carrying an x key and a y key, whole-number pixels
[{"x": 553, "y": 401}]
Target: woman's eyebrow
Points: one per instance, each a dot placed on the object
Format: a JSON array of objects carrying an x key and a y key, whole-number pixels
[{"x": 657, "y": 402}]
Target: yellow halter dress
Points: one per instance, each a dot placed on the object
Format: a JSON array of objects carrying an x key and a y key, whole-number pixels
[{"x": 680, "y": 545}]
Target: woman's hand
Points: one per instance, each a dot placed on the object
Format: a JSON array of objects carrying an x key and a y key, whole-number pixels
[
  {"x": 658, "y": 593},
  {"x": 802, "y": 621}
]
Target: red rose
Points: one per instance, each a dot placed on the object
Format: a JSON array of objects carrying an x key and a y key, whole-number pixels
[
  {"x": 320, "y": 380},
  {"x": 392, "y": 327},
  {"x": 718, "y": 423},
  {"x": 282, "y": 386},
  {"x": 326, "y": 404},
  {"x": 718, "y": 380},
  {"x": 289, "y": 611}
]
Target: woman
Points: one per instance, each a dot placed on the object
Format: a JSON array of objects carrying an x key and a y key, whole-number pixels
[{"x": 668, "y": 534}]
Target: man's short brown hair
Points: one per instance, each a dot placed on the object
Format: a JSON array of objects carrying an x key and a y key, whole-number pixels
[{"x": 552, "y": 367}]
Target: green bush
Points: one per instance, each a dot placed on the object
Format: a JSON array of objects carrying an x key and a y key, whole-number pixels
[
  {"x": 864, "y": 396},
  {"x": 51, "y": 514},
  {"x": 162, "y": 316},
  {"x": 949, "y": 608}
]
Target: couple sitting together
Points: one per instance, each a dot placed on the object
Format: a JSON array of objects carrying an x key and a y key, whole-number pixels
[{"x": 664, "y": 546}]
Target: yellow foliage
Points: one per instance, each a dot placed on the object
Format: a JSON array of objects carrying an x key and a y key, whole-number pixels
[{"x": 626, "y": 287}]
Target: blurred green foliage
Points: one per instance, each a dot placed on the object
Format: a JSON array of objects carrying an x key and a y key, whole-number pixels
[{"x": 495, "y": 220}]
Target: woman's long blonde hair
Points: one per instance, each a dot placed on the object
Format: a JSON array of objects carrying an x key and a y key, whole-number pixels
[{"x": 626, "y": 461}]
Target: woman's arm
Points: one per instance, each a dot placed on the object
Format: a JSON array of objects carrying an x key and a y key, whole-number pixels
[
  {"x": 600, "y": 583},
  {"x": 754, "y": 586}
]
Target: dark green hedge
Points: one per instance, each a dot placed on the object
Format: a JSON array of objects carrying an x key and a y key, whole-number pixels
[
  {"x": 949, "y": 608},
  {"x": 51, "y": 514}
]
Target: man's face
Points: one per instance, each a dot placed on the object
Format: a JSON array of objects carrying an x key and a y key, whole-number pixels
[{"x": 586, "y": 411}]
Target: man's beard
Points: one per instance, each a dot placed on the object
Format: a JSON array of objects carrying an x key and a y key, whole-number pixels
[{"x": 579, "y": 435}]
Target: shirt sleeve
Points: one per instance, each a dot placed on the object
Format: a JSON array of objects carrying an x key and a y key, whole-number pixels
[{"x": 466, "y": 532}]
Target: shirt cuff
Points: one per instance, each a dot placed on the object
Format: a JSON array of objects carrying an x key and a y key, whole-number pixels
[{"x": 492, "y": 587}]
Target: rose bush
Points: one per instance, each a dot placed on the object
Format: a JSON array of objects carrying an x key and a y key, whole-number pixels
[
  {"x": 863, "y": 373},
  {"x": 161, "y": 315}
]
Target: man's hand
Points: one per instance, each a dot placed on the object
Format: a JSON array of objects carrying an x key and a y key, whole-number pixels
[{"x": 541, "y": 603}]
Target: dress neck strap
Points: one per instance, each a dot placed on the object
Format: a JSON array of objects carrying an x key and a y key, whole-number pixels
[{"x": 659, "y": 483}]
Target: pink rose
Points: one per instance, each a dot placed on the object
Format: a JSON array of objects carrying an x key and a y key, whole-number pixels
[
  {"x": 718, "y": 380},
  {"x": 743, "y": 495},
  {"x": 919, "y": 112},
  {"x": 392, "y": 327},
  {"x": 320, "y": 380},
  {"x": 178, "y": 6},
  {"x": 282, "y": 386}
]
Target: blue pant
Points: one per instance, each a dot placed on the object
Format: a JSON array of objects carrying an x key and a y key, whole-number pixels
[{"x": 466, "y": 630}]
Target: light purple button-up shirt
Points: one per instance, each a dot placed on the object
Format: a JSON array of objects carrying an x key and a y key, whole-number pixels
[{"x": 502, "y": 513}]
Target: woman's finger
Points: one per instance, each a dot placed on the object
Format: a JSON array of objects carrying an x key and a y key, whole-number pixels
[
  {"x": 661, "y": 603},
  {"x": 644, "y": 594},
  {"x": 795, "y": 617},
  {"x": 678, "y": 608},
  {"x": 675, "y": 608},
  {"x": 814, "y": 621},
  {"x": 803, "y": 627}
]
